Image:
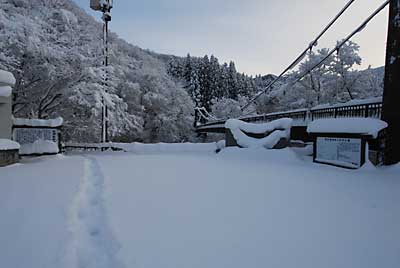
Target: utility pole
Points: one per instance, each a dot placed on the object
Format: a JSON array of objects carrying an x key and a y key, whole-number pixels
[
  {"x": 104, "y": 6},
  {"x": 391, "y": 94}
]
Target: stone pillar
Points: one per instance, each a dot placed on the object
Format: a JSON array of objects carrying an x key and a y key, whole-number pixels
[{"x": 7, "y": 81}]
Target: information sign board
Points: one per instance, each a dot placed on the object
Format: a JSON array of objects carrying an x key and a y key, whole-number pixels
[
  {"x": 30, "y": 135},
  {"x": 346, "y": 152}
]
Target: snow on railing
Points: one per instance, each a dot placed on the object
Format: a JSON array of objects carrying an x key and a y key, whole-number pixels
[{"x": 356, "y": 108}]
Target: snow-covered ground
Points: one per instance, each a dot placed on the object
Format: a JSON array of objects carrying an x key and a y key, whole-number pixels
[{"x": 239, "y": 208}]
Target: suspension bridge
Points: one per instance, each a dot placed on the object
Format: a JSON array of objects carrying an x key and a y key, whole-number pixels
[
  {"x": 385, "y": 109},
  {"x": 370, "y": 108}
]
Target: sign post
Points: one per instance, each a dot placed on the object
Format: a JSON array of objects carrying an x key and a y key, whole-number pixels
[{"x": 104, "y": 6}]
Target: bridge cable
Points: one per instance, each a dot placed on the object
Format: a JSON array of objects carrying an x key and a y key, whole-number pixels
[
  {"x": 302, "y": 55},
  {"x": 344, "y": 41}
]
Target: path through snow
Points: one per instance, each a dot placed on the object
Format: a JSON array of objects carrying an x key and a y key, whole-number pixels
[{"x": 93, "y": 244}]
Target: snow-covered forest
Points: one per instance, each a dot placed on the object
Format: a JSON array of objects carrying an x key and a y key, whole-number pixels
[{"x": 55, "y": 51}]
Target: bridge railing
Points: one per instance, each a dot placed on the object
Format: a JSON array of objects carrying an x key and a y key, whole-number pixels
[
  {"x": 373, "y": 109},
  {"x": 295, "y": 115},
  {"x": 361, "y": 108}
]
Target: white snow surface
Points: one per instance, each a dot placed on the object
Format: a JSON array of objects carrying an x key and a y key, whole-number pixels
[
  {"x": 57, "y": 122},
  {"x": 5, "y": 91},
  {"x": 6, "y": 144},
  {"x": 39, "y": 147},
  {"x": 239, "y": 208},
  {"x": 366, "y": 126},
  {"x": 166, "y": 147},
  {"x": 6, "y": 78},
  {"x": 280, "y": 129}
]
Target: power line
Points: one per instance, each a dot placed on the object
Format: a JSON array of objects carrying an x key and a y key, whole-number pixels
[
  {"x": 302, "y": 55},
  {"x": 344, "y": 41}
]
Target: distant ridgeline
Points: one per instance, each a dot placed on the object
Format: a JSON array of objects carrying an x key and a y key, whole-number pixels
[{"x": 54, "y": 49}]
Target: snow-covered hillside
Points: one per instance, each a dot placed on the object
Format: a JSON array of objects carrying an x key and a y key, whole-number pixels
[
  {"x": 178, "y": 209},
  {"x": 55, "y": 51}
]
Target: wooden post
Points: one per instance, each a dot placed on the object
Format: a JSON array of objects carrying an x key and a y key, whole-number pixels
[{"x": 391, "y": 95}]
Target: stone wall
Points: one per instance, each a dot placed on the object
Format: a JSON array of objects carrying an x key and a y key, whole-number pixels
[
  {"x": 8, "y": 157},
  {"x": 5, "y": 118}
]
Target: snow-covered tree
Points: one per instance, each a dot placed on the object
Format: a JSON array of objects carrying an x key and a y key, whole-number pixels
[
  {"x": 342, "y": 67},
  {"x": 315, "y": 82},
  {"x": 55, "y": 51}
]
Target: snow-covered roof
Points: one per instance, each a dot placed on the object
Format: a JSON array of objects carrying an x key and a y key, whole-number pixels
[
  {"x": 6, "y": 145},
  {"x": 57, "y": 122},
  {"x": 365, "y": 126},
  {"x": 6, "y": 78}
]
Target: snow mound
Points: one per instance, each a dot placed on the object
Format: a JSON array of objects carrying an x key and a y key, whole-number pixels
[
  {"x": 280, "y": 129},
  {"x": 221, "y": 144},
  {"x": 6, "y": 145},
  {"x": 39, "y": 147},
  {"x": 366, "y": 126},
  {"x": 6, "y": 78},
  {"x": 5, "y": 91},
  {"x": 57, "y": 122}
]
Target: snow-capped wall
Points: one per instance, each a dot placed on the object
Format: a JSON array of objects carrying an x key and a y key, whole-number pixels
[
  {"x": 57, "y": 122},
  {"x": 6, "y": 144}
]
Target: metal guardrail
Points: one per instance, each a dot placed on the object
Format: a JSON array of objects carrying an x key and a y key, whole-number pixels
[
  {"x": 368, "y": 109},
  {"x": 361, "y": 110},
  {"x": 69, "y": 146}
]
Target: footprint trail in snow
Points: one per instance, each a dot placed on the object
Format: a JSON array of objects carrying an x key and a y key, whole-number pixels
[{"x": 93, "y": 244}]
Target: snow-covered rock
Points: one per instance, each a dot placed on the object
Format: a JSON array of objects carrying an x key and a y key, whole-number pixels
[
  {"x": 366, "y": 126},
  {"x": 6, "y": 145},
  {"x": 57, "y": 122},
  {"x": 280, "y": 130},
  {"x": 39, "y": 147},
  {"x": 6, "y": 78}
]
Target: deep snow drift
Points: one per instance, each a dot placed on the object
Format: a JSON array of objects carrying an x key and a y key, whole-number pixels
[{"x": 240, "y": 208}]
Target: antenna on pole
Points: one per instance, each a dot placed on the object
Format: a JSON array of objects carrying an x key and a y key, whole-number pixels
[{"x": 104, "y": 6}]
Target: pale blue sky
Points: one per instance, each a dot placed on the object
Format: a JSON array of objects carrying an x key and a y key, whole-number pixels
[{"x": 261, "y": 36}]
